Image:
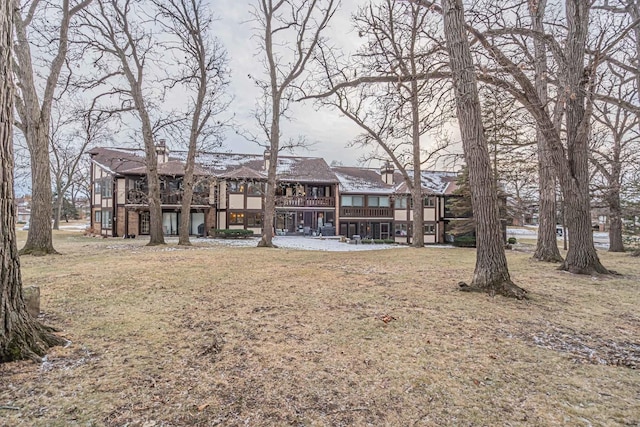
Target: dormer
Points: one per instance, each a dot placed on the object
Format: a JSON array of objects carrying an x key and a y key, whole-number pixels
[{"x": 386, "y": 172}]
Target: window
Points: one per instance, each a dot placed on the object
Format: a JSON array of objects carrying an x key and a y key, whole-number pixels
[
  {"x": 401, "y": 230},
  {"x": 429, "y": 202},
  {"x": 236, "y": 218},
  {"x": 255, "y": 188},
  {"x": 145, "y": 222},
  {"x": 107, "y": 189},
  {"x": 97, "y": 188},
  {"x": 352, "y": 200},
  {"x": 254, "y": 219},
  {"x": 401, "y": 202},
  {"x": 378, "y": 201},
  {"x": 429, "y": 229},
  {"x": 236, "y": 187},
  {"x": 98, "y": 217},
  {"x": 106, "y": 219}
]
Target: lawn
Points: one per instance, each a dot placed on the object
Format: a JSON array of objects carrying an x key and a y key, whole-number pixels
[{"x": 218, "y": 335}]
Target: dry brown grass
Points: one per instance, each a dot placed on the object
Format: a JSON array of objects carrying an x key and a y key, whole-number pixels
[{"x": 245, "y": 336}]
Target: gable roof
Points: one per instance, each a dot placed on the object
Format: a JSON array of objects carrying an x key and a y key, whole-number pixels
[{"x": 117, "y": 160}]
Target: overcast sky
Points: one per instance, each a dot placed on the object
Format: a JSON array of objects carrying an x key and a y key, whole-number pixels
[{"x": 329, "y": 132}]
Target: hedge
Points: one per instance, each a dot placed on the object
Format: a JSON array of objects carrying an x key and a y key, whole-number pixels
[{"x": 227, "y": 233}]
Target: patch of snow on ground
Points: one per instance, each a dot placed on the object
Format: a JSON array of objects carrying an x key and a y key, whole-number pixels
[{"x": 296, "y": 242}]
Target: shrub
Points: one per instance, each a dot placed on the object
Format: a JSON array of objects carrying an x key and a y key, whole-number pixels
[
  {"x": 226, "y": 233},
  {"x": 465, "y": 241},
  {"x": 512, "y": 240}
]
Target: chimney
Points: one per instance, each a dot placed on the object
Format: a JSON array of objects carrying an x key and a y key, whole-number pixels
[
  {"x": 267, "y": 159},
  {"x": 386, "y": 172},
  {"x": 162, "y": 151}
]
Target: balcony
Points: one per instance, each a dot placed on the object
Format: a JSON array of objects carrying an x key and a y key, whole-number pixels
[
  {"x": 137, "y": 197},
  {"x": 305, "y": 202},
  {"x": 365, "y": 212}
]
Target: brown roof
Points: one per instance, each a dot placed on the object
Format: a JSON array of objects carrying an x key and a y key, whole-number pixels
[
  {"x": 170, "y": 168},
  {"x": 116, "y": 160}
]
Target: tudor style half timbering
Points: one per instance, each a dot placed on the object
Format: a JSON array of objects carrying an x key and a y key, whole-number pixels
[
  {"x": 311, "y": 198},
  {"x": 119, "y": 204}
]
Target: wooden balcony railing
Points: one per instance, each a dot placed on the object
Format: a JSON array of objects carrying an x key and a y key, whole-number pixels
[
  {"x": 364, "y": 212},
  {"x": 302, "y": 201}
]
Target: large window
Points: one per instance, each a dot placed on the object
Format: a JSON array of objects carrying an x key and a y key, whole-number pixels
[
  {"x": 98, "y": 217},
  {"x": 236, "y": 187},
  {"x": 429, "y": 202},
  {"x": 429, "y": 229},
  {"x": 106, "y": 220},
  {"x": 378, "y": 201},
  {"x": 401, "y": 202},
  {"x": 254, "y": 219},
  {"x": 401, "y": 230},
  {"x": 236, "y": 218},
  {"x": 255, "y": 188},
  {"x": 107, "y": 189},
  {"x": 352, "y": 201}
]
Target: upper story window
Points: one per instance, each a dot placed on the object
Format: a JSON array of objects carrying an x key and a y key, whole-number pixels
[
  {"x": 378, "y": 201},
  {"x": 352, "y": 201},
  {"x": 255, "y": 188},
  {"x": 107, "y": 189},
  {"x": 429, "y": 202},
  {"x": 401, "y": 202},
  {"x": 235, "y": 187},
  {"x": 97, "y": 188}
]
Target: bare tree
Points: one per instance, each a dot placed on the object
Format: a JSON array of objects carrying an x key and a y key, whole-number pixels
[
  {"x": 203, "y": 63},
  {"x": 285, "y": 63},
  {"x": 491, "y": 272},
  {"x": 615, "y": 152},
  {"x": 34, "y": 109},
  {"x": 68, "y": 146},
  {"x": 21, "y": 336},
  {"x": 396, "y": 115},
  {"x": 547, "y": 243},
  {"x": 114, "y": 33}
]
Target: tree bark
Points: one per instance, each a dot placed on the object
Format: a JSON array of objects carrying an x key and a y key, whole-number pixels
[
  {"x": 491, "y": 272},
  {"x": 547, "y": 243},
  {"x": 581, "y": 257},
  {"x": 34, "y": 123},
  {"x": 21, "y": 336}
]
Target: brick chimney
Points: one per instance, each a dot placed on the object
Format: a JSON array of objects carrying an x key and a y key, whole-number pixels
[
  {"x": 162, "y": 151},
  {"x": 386, "y": 172},
  {"x": 267, "y": 159}
]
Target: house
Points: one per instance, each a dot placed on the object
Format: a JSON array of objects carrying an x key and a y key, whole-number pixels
[{"x": 311, "y": 197}]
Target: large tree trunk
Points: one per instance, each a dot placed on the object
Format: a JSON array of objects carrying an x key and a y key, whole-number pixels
[
  {"x": 581, "y": 257},
  {"x": 416, "y": 192},
  {"x": 274, "y": 140},
  {"x": 547, "y": 244},
  {"x": 156, "y": 234},
  {"x": 40, "y": 236},
  {"x": 21, "y": 336},
  {"x": 491, "y": 272}
]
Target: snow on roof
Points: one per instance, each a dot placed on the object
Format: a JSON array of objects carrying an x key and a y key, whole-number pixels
[
  {"x": 433, "y": 182},
  {"x": 360, "y": 180}
]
